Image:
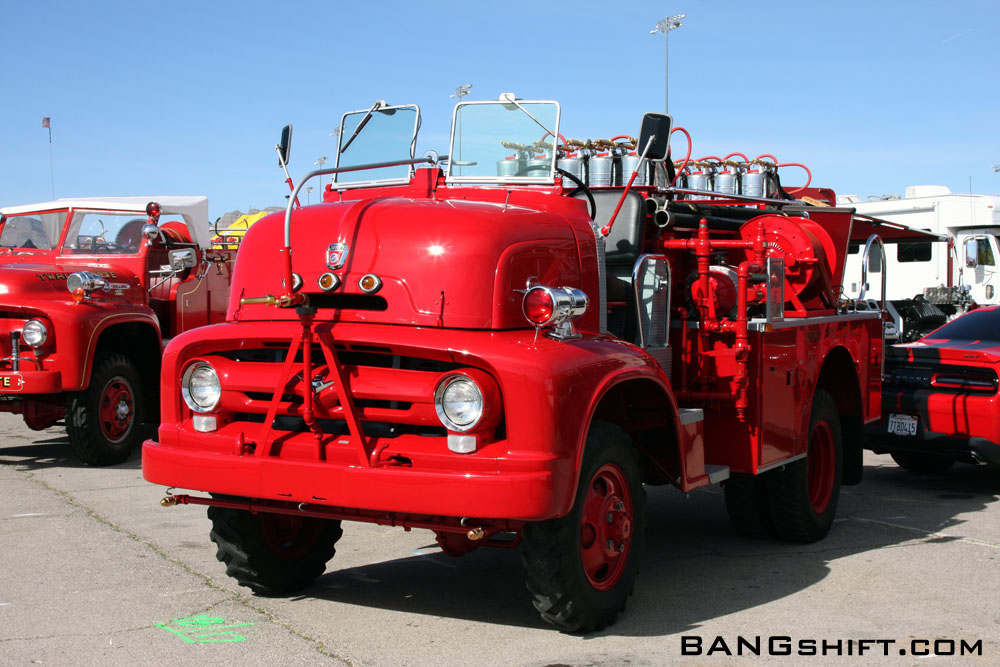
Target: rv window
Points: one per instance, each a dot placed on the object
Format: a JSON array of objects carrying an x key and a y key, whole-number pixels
[
  {"x": 853, "y": 248},
  {"x": 913, "y": 252}
]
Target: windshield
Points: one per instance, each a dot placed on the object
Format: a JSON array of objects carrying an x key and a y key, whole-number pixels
[
  {"x": 504, "y": 142},
  {"x": 380, "y": 134},
  {"x": 107, "y": 233},
  {"x": 32, "y": 230}
]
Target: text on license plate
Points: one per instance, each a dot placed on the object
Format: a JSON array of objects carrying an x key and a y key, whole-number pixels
[{"x": 902, "y": 424}]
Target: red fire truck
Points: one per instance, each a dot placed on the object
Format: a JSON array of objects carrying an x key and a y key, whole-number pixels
[
  {"x": 503, "y": 346},
  {"x": 89, "y": 288}
]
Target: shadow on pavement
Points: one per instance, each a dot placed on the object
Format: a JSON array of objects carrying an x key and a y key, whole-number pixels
[
  {"x": 696, "y": 566},
  {"x": 51, "y": 449}
]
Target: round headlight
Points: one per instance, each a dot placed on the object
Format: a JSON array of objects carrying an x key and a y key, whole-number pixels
[
  {"x": 34, "y": 333},
  {"x": 200, "y": 387},
  {"x": 458, "y": 403}
]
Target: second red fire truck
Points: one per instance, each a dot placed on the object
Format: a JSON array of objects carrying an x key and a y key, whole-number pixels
[{"x": 505, "y": 345}]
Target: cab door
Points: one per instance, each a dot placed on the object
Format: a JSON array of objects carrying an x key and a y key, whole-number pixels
[{"x": 980, "y": 268}]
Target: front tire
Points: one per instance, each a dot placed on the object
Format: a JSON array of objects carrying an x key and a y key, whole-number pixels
[
  {"x": 104, "y": 421},
  {"x": 273, "y": 554},
  {"x": 803, "y": 495},
  {"x": 581, "y": 568}
]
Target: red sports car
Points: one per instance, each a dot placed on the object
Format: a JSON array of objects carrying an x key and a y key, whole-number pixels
[{"x": 939, "y": 396}]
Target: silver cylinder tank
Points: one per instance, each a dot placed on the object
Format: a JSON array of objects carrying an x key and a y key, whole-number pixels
[
  {"x": 573, "y": 165},
  {"x": 725, "y": 182},
  {"x": 629, "y": 163},
  {"x": 753, "y": 183},
  {"x": 699, "y": 180},
  {"x": 508, "y": 167},
  {"x": 600, "y": 170}
]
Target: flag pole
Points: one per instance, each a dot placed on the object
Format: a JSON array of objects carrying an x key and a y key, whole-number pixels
[{"x": 47, "y": 123}]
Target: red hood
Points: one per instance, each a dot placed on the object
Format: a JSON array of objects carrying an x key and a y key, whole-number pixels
[
  {"x": 442, "y": 262},
  {"x": 22, "y": 282}
]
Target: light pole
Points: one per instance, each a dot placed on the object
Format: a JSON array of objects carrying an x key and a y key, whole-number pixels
[
  {"x": 320, "y": 162},
  {"x": 309, "y": 191},
  {"x": 665, "y": 26}
]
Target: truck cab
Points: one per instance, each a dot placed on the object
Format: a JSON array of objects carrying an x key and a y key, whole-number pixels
[{"x": 91, "y": 287}]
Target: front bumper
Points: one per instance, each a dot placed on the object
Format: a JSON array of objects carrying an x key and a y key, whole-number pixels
[
  {"x": 524, "y": 490},
  {"x": 22, "y": 384}
]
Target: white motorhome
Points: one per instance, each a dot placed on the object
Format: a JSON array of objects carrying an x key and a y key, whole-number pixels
[{"x": 950, "y": 276}]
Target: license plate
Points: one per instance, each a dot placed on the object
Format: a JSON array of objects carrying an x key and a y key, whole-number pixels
[
  {"x": 902, "y": 424},
  {"x": 11, "y": 381}
]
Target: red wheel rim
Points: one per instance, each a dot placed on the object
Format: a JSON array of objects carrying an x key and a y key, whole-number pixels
[
  {"x": 289, "y": 536},
  {"x": 821, "y": 462},
  {"x": 117, "y": 409},
  {"x": 606, "y": 527}
]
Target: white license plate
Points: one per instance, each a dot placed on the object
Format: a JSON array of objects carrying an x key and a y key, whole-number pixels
[{"x": 902, "y": 424}]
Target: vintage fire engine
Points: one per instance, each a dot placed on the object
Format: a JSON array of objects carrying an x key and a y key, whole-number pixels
[
  {"x": 505, "y": 349},
  {"x": 89, "y": 288}
]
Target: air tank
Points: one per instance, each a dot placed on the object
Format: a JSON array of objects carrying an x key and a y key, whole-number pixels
[
  {"x": 629, "y": 163},
  {"x": 726, "y": 182},
  {"x": 599, "y": 168},
  {"x": 508, "y": 167},
  {"x": 573, "y": 165}
]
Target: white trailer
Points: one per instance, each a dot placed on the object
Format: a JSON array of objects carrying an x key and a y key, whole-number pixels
[{"x": 925, "y": 276}]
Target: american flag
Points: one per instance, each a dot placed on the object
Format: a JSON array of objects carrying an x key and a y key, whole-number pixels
[{"x": 46, "y": 122}]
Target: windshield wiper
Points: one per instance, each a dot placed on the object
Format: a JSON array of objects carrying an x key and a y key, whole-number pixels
[
  {"x": 364, "y": 121},
  {"x": 509, "y": 98}
]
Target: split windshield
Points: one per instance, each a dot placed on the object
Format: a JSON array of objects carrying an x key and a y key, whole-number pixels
[
  {"x": 504, "y": 142},
  {"x": 381, "y": 133}
]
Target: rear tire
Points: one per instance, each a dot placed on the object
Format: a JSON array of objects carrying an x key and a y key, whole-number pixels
[
  {"x": 803, "y": 495},
  {"x": 580, "y": 568},
  {"x": 104, "y": 421},
  {"x": 273, "y": 554},
  {"x": 928, "y": 464}
]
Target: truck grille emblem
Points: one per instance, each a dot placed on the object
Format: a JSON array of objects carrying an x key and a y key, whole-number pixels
[{"x": 336, "y": 255}]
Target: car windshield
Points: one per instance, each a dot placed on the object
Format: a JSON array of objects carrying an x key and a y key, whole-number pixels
[
  {"x": 32, "y": 231},
  {"x": 505, "y": 141},
  {"x": 977, "y": 325},
  {"x": 107, "y": 232}
]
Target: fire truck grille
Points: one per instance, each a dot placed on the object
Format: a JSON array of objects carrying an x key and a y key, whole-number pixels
[{"x": 391, "y": 394}]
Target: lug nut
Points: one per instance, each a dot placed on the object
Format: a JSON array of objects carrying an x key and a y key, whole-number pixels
[
  {"x": 610, "y": 545},
  {"x": 610, "y": 517}
]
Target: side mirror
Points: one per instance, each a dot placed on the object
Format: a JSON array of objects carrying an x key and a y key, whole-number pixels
[
  {"x": 285, "y": 145},
  {"x": 971, "y": 253},
  {"x": 658, "y": 126},
  {"x": 182, "y": 258}
]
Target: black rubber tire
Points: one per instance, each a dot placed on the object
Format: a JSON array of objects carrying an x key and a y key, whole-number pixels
[
  {"x": 553, "y": 553},
  {"x": 273, "y": 554},
  {"x": 747, "y": 504},
  {"x": 927, "y": 464},
  {"x": 89, "y": 438},
  {"x": 788, "y": 489}
]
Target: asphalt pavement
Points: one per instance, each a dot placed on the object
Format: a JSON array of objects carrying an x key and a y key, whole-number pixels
[{"x": 93, "y": 571}]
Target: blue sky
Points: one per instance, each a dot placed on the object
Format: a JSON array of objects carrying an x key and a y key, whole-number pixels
[{"x": 189, "y": 97}]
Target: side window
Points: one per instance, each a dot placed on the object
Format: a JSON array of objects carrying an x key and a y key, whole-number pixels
[
  {"x": 985, "y": 255},
  {"x": 913, "y": 252}
]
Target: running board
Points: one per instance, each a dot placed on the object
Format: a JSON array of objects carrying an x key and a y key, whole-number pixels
[{"x": 716, "y": 473}]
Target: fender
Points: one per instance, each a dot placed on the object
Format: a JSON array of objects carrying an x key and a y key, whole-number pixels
[{"x": 100, "y": 323}]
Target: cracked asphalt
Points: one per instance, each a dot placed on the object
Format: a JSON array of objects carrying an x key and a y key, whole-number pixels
[{"x": 94, "y": 572}]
